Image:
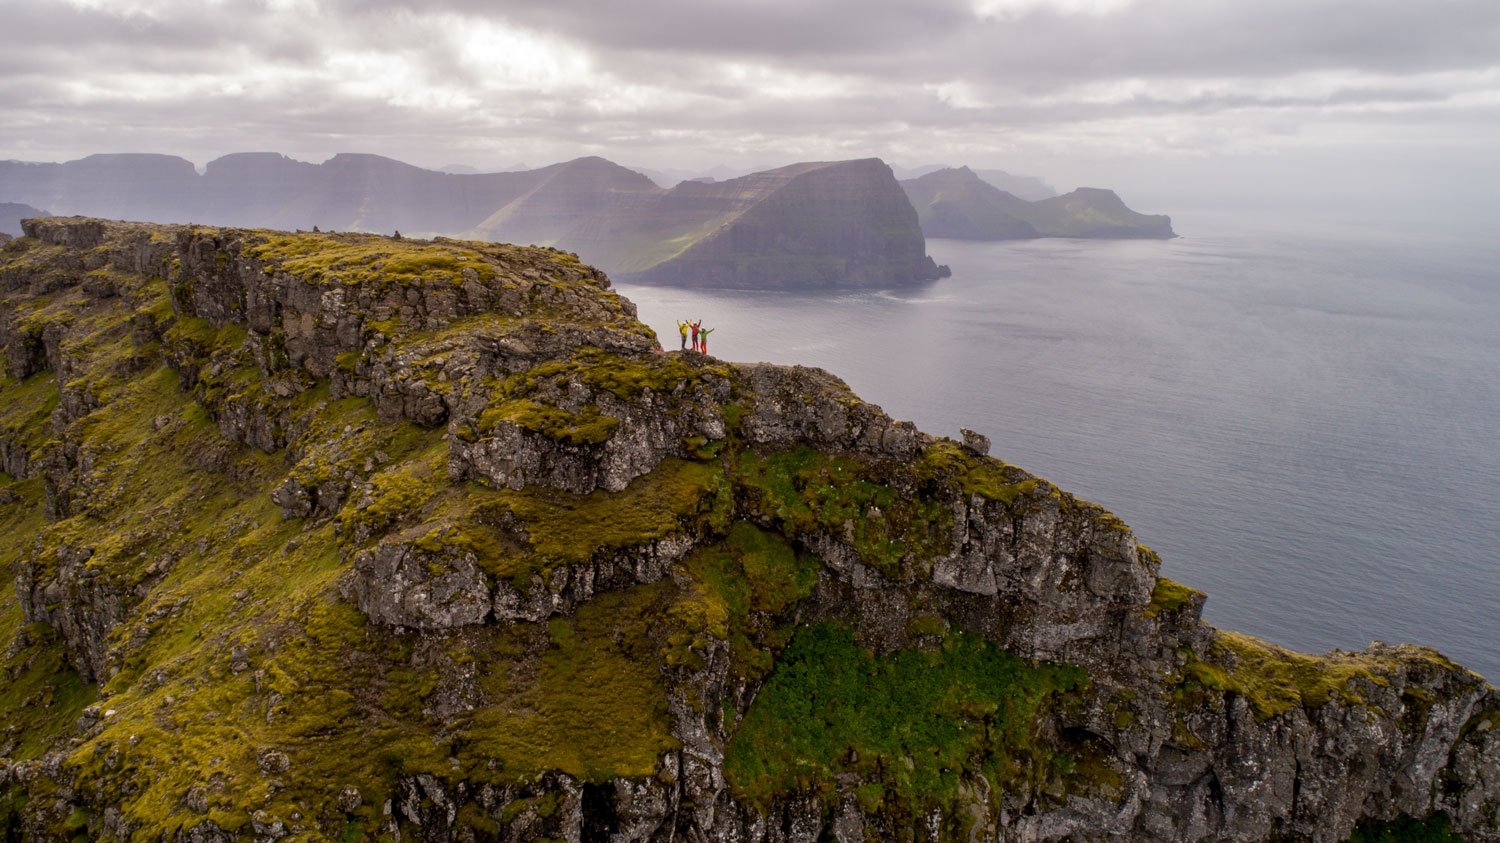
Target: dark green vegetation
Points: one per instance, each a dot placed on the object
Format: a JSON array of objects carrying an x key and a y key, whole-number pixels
[
  {"x": 914, "y": 724},
  {"x": 957, "y": 203},
  {"x": 1407, "y": 830}
]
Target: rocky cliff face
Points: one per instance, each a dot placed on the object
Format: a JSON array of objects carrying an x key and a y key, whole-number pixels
[
  {"x": 957, "y": 203},
  {"x": 808, "y": 226},
  {"x": 343, "y": 537}
]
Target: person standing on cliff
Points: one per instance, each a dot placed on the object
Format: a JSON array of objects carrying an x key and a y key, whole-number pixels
[
  {"x": 703, "y": 338},
  {"x": 695, "y": 333},
  {"x": 683, "y": 328}
]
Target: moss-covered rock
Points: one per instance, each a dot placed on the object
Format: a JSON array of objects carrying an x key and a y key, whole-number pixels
[{"x": 337, "y": 537}]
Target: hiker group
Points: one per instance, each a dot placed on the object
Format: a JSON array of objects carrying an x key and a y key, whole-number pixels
[{"x": 700, "y": 335}]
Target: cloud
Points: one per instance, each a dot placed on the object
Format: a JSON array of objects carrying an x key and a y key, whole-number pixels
[{"x": 671, "y": 81}]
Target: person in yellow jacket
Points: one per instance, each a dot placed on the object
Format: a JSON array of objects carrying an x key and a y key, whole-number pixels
[{"x": 683, "y": 327}]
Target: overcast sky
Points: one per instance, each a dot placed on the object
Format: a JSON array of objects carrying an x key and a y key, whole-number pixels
[{"x": 1376, "y": 100}]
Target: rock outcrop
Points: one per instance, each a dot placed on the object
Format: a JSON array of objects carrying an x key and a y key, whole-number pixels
[
  {"x": 333, "y": 537},
  {"x": 958, "y": 204}
]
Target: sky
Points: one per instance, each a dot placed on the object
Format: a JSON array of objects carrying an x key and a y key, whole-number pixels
[{"x": 1212, "y": 103}]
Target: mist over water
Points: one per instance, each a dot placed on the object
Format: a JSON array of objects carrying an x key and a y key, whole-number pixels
[{"x": 1300, "y": 420}]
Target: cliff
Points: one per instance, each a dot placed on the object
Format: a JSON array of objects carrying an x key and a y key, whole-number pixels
[
  {"x": 957, "y": 203},
  {"x": 806, "y": 226},
  {"x": 344, "y": 537}
]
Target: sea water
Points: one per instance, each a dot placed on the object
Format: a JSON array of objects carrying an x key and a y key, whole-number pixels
[{"x": 1301, "y": 420}]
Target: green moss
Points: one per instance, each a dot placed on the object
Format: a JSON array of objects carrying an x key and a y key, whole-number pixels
[
  {"x": 398, "y": 494},
  {"x": 42, "y": 696},
  {"x": 1484, "y": 720},
  {"x": 803, "y": 490},
  {"x": 754, "y": 570},
  {"x": 989, "y": 478},
  {"x": 372, "y": 260},
  {"x": 926, "y": 624},
  {"x": 204, "y": 337},
  {"x": 1274, "y": 680},
  {"x": 26, "y": 408},
  {"x": 596, "y": 707},
  {"x": 1169, "y": 597},
  {"x": 629, "y": 377},
  {"x": 914, "y": 722},
  {"x": 588, "y": 427},
  {"x": 673, "y": 497}
]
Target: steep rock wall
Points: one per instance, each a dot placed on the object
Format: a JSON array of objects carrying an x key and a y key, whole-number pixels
[{"x": 843, "y": 224}]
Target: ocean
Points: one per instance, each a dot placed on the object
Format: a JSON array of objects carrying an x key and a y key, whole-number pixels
[{"x": 1300, "y": 418}]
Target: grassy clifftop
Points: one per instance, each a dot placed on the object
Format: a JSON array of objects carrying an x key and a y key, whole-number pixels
[{"x": 344, "y": 537}]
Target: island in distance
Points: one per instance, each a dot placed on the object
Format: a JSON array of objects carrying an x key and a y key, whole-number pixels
[
  {"x": 11, "y": 214},
  {"x": 957, "y": 203},
  {"x": 806, "y": 226}
]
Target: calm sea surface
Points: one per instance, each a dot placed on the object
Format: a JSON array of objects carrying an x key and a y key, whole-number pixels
[{"x": 1302, "y": 422}]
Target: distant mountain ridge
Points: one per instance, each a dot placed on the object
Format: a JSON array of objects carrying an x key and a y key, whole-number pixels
[
  {"x": 822, "y": 224},
  {"x": 1029, "y": 188},
  {"x": 956, "y": 203},
  {"x": 11, "y": 214}
]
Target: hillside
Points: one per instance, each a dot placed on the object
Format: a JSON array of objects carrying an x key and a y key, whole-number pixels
[
  {"x": 805, "y": 226},
  {"x": 342, "y": 537},
  {"x": 957, "y": 203}
]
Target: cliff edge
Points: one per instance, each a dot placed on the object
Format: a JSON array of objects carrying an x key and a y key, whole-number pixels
[{"x": 346, "y": 537}]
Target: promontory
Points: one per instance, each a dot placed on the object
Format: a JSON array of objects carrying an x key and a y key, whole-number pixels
[{"x": 339, "y": 537}]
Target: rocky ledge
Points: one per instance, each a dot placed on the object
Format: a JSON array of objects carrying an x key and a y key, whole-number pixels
[{"x": 343, "y": 537}]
